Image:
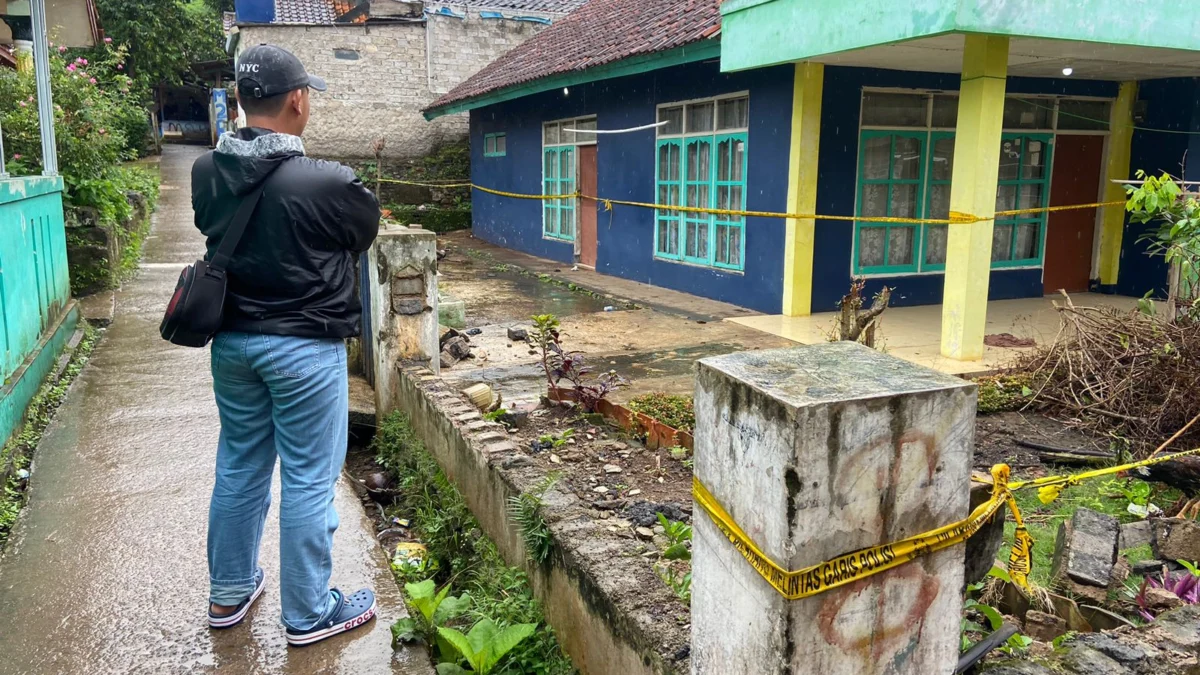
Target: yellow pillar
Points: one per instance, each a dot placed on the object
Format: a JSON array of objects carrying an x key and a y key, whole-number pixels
[
  {"x": 802, "y": 188},
  {"x": 1113, "y": 221},
  {"x": 973, "y": 192}
]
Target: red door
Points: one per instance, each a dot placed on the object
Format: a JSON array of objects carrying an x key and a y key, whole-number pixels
[
  {"x": 587, "y": 207},
  {"x": 1069, "y": 234}
]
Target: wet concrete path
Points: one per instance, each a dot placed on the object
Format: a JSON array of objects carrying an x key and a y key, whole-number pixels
[{"x": 106, "y": 571}]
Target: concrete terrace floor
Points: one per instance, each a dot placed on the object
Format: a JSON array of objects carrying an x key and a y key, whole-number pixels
[
  {"x": 915, "y": 333},
  {"x": 106, "y": 570},
  {"x": 654, "y": 346}
]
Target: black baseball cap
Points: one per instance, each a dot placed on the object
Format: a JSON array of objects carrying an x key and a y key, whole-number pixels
[{"x": 266, "y": 70}]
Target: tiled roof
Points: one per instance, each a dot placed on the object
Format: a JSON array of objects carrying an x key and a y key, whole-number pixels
[
  {"x": 540, "y": 6},
  {"x": 598, "y": 33},
  {"x": 305, "y": 11}
]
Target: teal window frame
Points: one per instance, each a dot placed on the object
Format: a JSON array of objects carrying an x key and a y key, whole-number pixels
[
  {"x": 495, "y": 139},
  {"x": 1040, "y": 219},
  {"x": 927, "y": 203},
  {"x": 711, "y": 224},
  {"x": 555, "y": 183},
  {"x": 922, "y": 138}
]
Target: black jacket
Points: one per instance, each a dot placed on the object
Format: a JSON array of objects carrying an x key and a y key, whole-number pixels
[{"x": 293, "y": 272}]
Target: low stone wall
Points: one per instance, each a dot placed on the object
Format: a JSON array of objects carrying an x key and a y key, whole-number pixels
[
  {"x": 94, "y": 249},
  {"x": 579, "y": 584}
]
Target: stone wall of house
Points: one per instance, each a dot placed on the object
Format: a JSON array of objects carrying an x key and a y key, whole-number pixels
[
  {"x": 377, "y": 87},
  {"x": 381, "y": 75},
  {"x": 458, "y": 48}
]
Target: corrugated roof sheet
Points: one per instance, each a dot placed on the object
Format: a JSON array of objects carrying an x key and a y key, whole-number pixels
[{"x": 598, "y": 33}]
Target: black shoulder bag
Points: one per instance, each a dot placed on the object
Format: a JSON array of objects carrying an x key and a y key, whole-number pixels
[{"x": 197, "y": 307}]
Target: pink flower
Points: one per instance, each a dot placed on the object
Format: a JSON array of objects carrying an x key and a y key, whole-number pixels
[
  {"x": 108, "y": 41},
  {"x": 62, "y": 48},
  {"x": 103, "y": 131},
  {"x": 92, "y": 80},
  {"x": 22, "y": 104},
  {"x": 120, "y": 66},
  {"x": 71, "y": 67},
  {"x": 17, "y": 156},
  {"x": 81, "y": 60},
  {"x": 31, "y": 99}
]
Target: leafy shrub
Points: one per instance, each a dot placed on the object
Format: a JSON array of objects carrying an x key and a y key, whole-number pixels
[{"x": 670, "y": 409}]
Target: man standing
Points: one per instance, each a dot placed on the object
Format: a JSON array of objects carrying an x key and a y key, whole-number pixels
[{"x": 279, "y": 361}]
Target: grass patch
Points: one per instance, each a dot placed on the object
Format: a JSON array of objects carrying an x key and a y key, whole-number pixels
[
  {"x": 18, "y": 451},
  {"x": 1109, "y": 496},
  {"x": 460, "y": 554},
  {"x": 672, "y": 410}
]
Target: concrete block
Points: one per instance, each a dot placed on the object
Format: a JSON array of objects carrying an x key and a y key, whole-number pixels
[
  {"x": 1086, "y": 548},
  {"x": 1135, "y": 534},
  {"x": 452, "y": 312},
  {"x": 403, "y": 326},
  {"x": 818, "y": 451},
  {"x": 1177, "y": 539}
]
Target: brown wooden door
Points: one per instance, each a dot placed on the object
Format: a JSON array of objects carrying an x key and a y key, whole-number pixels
[
  {"x": 1070, "y": 234},
  {"x": 587, "y": 207}
]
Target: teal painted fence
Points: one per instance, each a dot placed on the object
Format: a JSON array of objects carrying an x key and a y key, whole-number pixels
[{"x": 35, "y": 290}]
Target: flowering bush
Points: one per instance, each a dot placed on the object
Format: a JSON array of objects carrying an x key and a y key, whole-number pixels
[{"x": 93, "y": 117}]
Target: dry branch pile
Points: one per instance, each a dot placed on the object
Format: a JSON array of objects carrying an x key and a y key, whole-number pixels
[{"x": 1128, "y": 374}]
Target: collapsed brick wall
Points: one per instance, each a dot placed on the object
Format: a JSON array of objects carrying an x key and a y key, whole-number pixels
[{"x": 381, "y": 75}]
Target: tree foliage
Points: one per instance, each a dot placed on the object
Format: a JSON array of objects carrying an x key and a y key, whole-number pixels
[{"x": 163, "y": 37}]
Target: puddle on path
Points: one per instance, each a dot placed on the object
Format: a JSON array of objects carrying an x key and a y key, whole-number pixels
[{"x": 496, "y": 296}]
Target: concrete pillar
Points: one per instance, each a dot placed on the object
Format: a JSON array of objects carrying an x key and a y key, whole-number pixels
[
  {"x": 404, "y": 324},
  {"x": 802, "y": 188},
  {"x": 1112, "y": 223},
  {"x": 973, "y": 192},
  {"x": 815, "y": 452}
]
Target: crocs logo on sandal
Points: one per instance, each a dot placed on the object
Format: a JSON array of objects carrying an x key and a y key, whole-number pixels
[{"x": 354, "y": 623}]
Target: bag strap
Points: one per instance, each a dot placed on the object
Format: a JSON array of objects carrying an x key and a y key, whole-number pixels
[{"x": 220, "y": 260}]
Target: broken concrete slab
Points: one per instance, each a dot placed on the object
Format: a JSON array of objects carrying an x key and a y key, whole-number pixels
[
  {"x": 1086, "y": 549},
  {"x": 1177, "y": 539},
  {"x": 1136, "y": 534}
]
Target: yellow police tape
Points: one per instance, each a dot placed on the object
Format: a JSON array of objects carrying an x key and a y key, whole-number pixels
[
  {"x": 866, "y": 562},
  {"x": 954, "y": 219},
  {"x": 863, "y": 563}
]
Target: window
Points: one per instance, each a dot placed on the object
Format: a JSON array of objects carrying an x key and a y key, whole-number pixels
[
  {"x": 906, "y": 161},
  {"x": 559, "y": 173},
  {"x": 495, "y": 145},
  {"x": 700, "y": 162}
]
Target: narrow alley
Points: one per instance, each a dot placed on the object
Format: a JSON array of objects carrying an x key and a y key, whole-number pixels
[{"x": 106, "y": 571}]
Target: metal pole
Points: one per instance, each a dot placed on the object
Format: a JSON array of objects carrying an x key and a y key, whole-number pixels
[
  {"x": 41, "y": 72},
  {"x": 3, "y": 171}
]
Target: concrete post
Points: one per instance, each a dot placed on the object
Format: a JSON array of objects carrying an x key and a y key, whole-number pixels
[
  {"x": 404, "y": 326},
  {"x": 815, "y": 452}
]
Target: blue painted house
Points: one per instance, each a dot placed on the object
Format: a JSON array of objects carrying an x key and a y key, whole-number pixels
[{"x": 870, "y": 115}]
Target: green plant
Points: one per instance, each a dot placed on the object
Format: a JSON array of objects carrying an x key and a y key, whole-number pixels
[
  {"x": 432, "y": 609},
  {"x": 526, "y": 510},
  {"x": 164, "y": 37},
  {"x": 679, "y": 536},
  {"x": 495, "y": 415},
  {"x": 484, "y": 646},
  {"x": 672, "y": 410},
  {"x": 679, "y": 454},
  {"x": 1176, "y": 238},
  {"x": 678, "y": 581},
  {"x": 457, "y": 550}
]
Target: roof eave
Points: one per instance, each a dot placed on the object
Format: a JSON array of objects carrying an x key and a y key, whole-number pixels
[{"x": 696, "y": 51}]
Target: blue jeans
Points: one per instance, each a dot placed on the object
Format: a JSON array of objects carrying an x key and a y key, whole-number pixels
[{"x": 287, "y": 397}]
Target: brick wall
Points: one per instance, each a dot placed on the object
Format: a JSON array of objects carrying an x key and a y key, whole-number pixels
[
  {"x": 458, "y": 48},
  {"x": 380, "y": 76}
]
